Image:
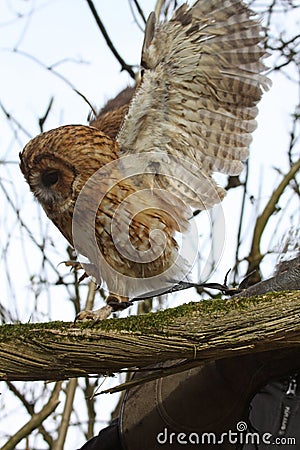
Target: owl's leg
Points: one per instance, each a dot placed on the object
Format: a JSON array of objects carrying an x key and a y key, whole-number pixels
[
  {"x": 114, "y": 303},
  {"x": 118, "y": 302}
]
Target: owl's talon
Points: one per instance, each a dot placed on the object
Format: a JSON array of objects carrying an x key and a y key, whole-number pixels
[
  {"x": 96, "y": 316},
  {"x": 75, "y": 265}
]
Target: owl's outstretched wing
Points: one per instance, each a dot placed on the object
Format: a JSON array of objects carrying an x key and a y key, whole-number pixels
[{"x": 202, "y": 79}]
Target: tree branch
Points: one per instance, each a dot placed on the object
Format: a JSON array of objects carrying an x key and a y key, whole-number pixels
[
  {"x": 254, "y": 258},
  {"x": 30, "y": 409},
  {"x": 36, "y": 420},
  {"x": 287, "y": 277},
  {"x": 197, "y": 332},
  {"x": 66, "y": 415},
  {"x": 72, "y": 386},
  {"x": 108, "y": 41}
]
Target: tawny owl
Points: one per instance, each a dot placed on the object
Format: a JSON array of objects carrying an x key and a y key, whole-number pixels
[{"x": 122, "y": 199}]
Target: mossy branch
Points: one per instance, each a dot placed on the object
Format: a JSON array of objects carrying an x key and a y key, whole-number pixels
[{"x": 196, "y": 332}]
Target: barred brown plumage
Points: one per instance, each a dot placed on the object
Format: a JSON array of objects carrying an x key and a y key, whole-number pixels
[{"x": 120, "y": 198}]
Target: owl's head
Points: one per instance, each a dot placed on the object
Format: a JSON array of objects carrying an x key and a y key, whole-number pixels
[{"x": 56, "y": 164}]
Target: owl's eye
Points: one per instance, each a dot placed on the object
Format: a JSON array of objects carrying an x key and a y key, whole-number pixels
[{"x": 50, "y": 177}]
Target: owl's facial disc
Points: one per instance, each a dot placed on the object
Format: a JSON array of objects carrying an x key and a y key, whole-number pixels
[{"x": 51, "y": 180}]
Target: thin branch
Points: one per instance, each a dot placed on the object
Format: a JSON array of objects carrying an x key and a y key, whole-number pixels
[
  {"x": 30, "y": 409},
  {"x": 35, "y": 420},
  {"x": 90, "y": 406},
  {"x": 11, "y": 118},
  {"x": 135, "y": 18},
  {"x": 293, "y": 133},
  {"x": 241, "y": 221},
  {"x": 43, "y": 119},
  {"x": 89, "y": 304},
  {"x": 57, "y": 74},
  {"x": 139, "y": 10},
  {"x": 72, "y": 385},
  {"x": 29, "y": 231},
  {"x": 108, "y": 41},
  {"x": 254, "y": 258},
  {"x": 76, "y": 298},
  {"x": 65, "y": 419},
  {"x": 285, "y": 44}
]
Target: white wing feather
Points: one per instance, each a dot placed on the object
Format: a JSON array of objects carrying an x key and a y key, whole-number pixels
[{"x": 197, "y": 100}]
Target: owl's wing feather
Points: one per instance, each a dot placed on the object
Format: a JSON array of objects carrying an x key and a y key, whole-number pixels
[{"x": 197, "y": 100}]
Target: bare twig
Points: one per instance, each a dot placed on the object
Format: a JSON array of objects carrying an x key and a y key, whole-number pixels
[
  {"x": 15, "y": 121},
  {"x": 35, "y": 420},
  {"x": 65, "y": 419},
  {"x": 254, "y": 258},
  {"x": 293, "y": 133},
  {"x": 90, "y": 405},
  {"x": 124, "y": 65},
  {"x": 72, "y": 386},
  {"x": 30, "y": 409},
  {"x": 28, "y": 230},
  {"x": 50, "y": 68},
  {"x": 91, "y": 295},
  {"x": 139, "y": 9},
  {"x": 43, "y": 119},
  {"x": 241, "y": 222},
  {"x": 140, "y": 12}
]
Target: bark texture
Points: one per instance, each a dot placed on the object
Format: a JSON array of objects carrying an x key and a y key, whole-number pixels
[{"x": 194, "y": 333}]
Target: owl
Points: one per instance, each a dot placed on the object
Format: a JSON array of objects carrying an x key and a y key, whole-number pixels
[{"x": 122, "y": 191}]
